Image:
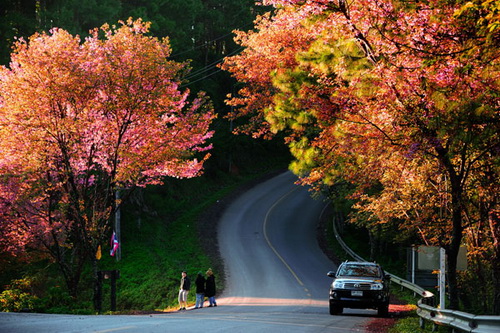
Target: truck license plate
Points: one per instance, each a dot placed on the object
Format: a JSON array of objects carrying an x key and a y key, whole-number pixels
[{"x": 356, "y": 293}]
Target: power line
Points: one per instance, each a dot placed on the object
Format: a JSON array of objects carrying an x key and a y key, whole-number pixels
[
  {"x": 200, "y": 79},
  {"x": 210, "y": 66},
  {"x": 211, "y": 41}
]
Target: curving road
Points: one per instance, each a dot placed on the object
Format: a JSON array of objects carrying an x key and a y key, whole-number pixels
[
  {"x": 274, "y": 265},
  {"x": 276, "y": 276},
  {"x": 268, "y": 241}
]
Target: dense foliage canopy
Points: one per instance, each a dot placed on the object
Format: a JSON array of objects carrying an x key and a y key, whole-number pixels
[
  {"x": 399, "y": 99},
  {"x": 79, "y": 121}
]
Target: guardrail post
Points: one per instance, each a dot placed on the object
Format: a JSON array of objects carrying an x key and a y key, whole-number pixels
[{"x": 421, "y": 323}]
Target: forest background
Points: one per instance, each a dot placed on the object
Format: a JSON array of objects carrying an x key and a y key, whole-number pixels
[{"x": 306, "y": 75}]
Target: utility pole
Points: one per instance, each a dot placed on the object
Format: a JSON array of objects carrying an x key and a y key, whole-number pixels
[{"x": 118, "y": 254}]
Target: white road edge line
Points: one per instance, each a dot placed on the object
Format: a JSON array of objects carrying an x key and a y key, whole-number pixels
[{"x": 116, "y": 329}]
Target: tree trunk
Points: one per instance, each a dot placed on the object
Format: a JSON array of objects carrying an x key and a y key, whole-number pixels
[
  {"x": 456, "y": 240},
  {"x": 69, "y": 265},
  {"x": 496, "y": 282},
  {"x": 452, "y": 254},
  {"x": 72, "y": 277},
  {"x": 97, "y": 295},
  {"x": 494, "y": 221},
  {"x": 373, "y": 244},
  {"x": 456, "y": 192}
]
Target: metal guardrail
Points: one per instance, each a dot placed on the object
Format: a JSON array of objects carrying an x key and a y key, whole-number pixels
[
  {"x": 457, "y": 320},
  {"x": 461, "y": 321}
]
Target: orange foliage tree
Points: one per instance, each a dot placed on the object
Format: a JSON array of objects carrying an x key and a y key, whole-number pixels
[
  {"x": 80, "y": 120},
  {"x": 395, "y": 96}
]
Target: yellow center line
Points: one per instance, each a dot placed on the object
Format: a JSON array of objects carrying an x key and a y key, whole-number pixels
[{"x": 269, "y": 242}]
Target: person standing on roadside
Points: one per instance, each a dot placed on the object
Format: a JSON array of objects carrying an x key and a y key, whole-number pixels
[
  {"x": 210, "y": 288},
  {"x": 184, "y": 291},
  {"x": 200, "y": 291}
]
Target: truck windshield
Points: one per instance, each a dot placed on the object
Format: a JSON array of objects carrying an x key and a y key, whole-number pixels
[{"x": 359, "y": 270}]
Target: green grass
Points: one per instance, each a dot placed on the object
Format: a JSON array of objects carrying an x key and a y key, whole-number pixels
[{"x": 411, "y": 324}]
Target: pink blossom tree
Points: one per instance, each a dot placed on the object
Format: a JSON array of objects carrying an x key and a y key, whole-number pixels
[{"x": 80, "y": 120}]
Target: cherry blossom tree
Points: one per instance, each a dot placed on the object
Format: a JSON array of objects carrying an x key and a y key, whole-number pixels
[
  {"x": 395, "y": 96},
  {"x": 80, "y": 120}
]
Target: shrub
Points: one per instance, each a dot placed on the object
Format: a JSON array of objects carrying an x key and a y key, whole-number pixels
[{"x": 17, "y": 297}]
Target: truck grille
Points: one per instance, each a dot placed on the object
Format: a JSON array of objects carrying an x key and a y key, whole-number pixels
[{"x": 357, "y": 286}]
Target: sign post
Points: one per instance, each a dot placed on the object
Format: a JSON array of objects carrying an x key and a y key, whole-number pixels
[
  {"x": 107, "y": 275},
  {"x": 413, "y": 268},
  {"x": 434, "y": 258},
  {"x": 442, "y": 278}
]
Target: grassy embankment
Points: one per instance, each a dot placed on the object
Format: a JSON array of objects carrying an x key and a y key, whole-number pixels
[{"x": 167, "y": 231}]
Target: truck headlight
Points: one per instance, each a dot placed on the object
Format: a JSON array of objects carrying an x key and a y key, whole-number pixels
[{"x": 338, "y": 285}]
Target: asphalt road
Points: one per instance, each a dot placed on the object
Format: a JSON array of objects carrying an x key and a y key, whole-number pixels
[{"x": 276, "y": 276}]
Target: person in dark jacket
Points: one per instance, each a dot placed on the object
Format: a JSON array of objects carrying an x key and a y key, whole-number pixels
[
  {"x": 184, "y": 291},
  {"x": 210, "y": 288},
  {"x": 200, "y": 291}
]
